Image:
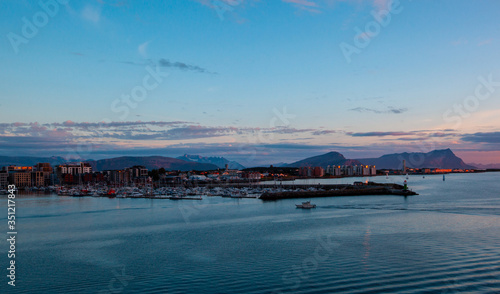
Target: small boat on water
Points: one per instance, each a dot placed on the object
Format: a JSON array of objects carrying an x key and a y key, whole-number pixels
[{"x": 306, "y": 205}]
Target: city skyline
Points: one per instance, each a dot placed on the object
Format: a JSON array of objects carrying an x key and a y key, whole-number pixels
[{"x": 260, "y": 81}]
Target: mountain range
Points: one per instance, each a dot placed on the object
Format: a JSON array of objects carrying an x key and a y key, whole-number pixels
[
  {"x": 30, "y": 161},
  {"x": 330, "y": 158},
  {"x": 445, "y": 159},
  {"x": 487, "y": 166},
  {"x": 218, "y": 161},
  {"x": 434, "y": 159},
  {"x": 150, "y": 162}
]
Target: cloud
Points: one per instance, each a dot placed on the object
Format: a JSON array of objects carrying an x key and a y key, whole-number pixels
[
  {"x": 490, "y": 137},
  {"x": 459, "y": 42},
  {"x": 91, "y": 14},
  {"x": 142, "y": 49},
  {"x": 381, "y": 134},
  {"x": 167, "y": 63},
  {"x": 302, "y": 2},
  {"x": 389, "y": 110},
  {"x": 288, "y": 130},
  {"x": 306, "y": 5},
  {"x": 115, "y": 3},
  {"x": 324, "y": 132},
  {"x": 181, "y": 66},
  {"x": 485, "y": 42}
]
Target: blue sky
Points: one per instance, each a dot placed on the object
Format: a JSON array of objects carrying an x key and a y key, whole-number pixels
[{"x": 261, "y": 82}]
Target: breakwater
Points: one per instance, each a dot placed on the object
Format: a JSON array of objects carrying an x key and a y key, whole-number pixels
[{"x": 340, "y": 190}]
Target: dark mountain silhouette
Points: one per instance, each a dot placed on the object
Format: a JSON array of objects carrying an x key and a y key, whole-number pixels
[
  {"x": 29, "y": 161},
  {"x": 150, "y": 162},
  {"x": 218, "y": 161},
  {"x": 331, "y": 158},
  {"x": 434, "y": 159}
]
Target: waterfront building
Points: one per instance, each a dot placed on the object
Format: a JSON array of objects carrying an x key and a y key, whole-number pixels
[
  {"x": 13, "y": 168},
  {"x": 318, "y": 172},
  {"x": 37, "y": 178},
  {"x": 347, "y": 170},
  {"x": 4, "y": 179},
  {"x": 20, "y": 179},
  {"x": 305, "y": 171},
  {"x": 75, "y": 169},
  {"x": 334, "y": 170},
  {"x": 252, "y": 175},
  {"x": 46, "y": 169}
]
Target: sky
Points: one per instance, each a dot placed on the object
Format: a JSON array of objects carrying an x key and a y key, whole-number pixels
[{"x": 256, "y": 81}]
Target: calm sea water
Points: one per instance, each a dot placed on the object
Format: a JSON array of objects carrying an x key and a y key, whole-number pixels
[{"x": 446, "y": 240}]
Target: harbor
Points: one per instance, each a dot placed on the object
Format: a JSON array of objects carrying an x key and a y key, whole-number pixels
[{"x": 256, "y": 191}]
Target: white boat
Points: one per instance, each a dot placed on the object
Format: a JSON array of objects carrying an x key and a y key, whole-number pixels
[
  {"x": 136, "y": 195},
  {"x": 306, "y": 205}
]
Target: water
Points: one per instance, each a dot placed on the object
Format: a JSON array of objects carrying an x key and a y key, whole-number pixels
[{"x": 446, "y": 240}]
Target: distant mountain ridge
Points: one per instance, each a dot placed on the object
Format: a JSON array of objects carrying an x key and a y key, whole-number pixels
[
  {"x": 29, "y": 160},
  {"x": 150, "y": 162},
  {"x": 445, "y": 159},
  {"x": 330, "y": 158},
  {"x": 218, "y": 161},
  {"x": 486, "y": 166}
]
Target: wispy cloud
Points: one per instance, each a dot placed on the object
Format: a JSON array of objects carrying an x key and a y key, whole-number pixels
[
  {"x": 169, "y": 64},
  {"x": 91, "y": 13},
  {"x": 143, "y": 48},
  {"x": 324, "y": 132},
  {"x": 182, "y": 66},
  {"x": 489, "y": 137},
  {"x": 389, "y": 110},
  {"x": 485, "y": 42},
  {"x": 381, "y": 134},
  {"x": 302, "y": 2},
  {"x": 307, "y": 5}
]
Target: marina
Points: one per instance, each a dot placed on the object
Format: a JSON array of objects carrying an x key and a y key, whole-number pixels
[{"x": 255, "y": 191}]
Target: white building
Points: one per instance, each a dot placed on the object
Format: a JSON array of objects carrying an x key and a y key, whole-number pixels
[{"x": 75, "y": 169}]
